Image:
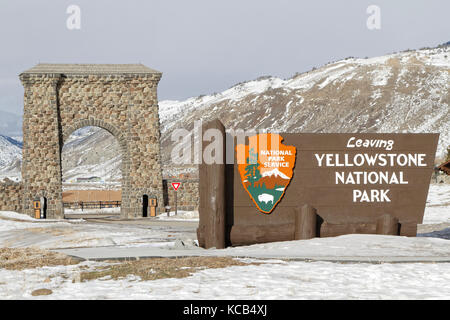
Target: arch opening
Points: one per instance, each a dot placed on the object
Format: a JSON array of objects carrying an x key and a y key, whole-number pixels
[{"x": 91, "y": 172}]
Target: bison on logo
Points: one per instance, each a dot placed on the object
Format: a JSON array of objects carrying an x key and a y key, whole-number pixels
[{"x": 266, "y": 168}]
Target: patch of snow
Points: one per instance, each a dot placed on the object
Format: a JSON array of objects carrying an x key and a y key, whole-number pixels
[
  {"x": 16, "y": 216},
  {"x": 337, "y": 76},
  {"x": 352, "y": 245},
  {"x": 437, "y": 209},
  {"x": 381, "y": 76},
  {"x": 437, "y": 57},
  {"x": 90, "y": 211},
  {"x": 181, "y": 216},
  {"x": 10, "y": 158},
  {"x": 309, "y": 79}
]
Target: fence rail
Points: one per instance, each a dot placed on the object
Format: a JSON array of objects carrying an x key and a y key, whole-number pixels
[{"x": 91, "y": 204}]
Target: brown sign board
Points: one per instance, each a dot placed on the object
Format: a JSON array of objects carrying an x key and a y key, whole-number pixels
[{"x": 347, "y": 183}]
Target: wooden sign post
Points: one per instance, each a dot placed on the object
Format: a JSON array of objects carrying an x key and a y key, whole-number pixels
[{"x": 212, "y": 186}]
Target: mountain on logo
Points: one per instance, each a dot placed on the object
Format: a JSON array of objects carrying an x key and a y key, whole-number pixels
[
  {"x": 275, "y": 172},
  {"x": 273, "y": 179}
]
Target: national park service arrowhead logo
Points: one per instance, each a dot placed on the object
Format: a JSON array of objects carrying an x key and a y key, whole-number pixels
[{"x": 266, "y": 168}]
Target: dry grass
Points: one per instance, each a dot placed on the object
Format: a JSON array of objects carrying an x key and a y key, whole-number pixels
[
  {"x": 41, "y": 292},
  {"x": 145, "y": 269},
  {"x": 160, "y": 268},
  {"x": 28, "y": 258}
]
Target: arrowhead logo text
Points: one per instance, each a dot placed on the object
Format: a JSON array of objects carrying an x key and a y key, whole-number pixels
[{"x": 266, "y": 168}]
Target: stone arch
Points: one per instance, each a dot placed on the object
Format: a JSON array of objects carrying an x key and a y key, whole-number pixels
[
  {"x": 66, "y": 132},
  {"x": 115, "y": 132},
  {"x": 121, "y": 99}
]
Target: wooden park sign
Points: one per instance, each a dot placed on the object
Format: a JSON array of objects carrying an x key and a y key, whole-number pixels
[{"x": 326, "y": 185}]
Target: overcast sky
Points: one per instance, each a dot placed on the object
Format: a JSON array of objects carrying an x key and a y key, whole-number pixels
[{"x": 206, "y": 46}]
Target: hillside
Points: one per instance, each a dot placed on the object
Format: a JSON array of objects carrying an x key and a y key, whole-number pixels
[
  {"x": 10, "y": 158},
  {"x": 91, "y": 151},
  {"x": 400, "y": 92}
]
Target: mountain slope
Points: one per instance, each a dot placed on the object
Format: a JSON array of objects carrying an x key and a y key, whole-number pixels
[
  {"x": 10, "y": 158},
  {"x": 91, "y": 151},
  {"x": 401, "y": 92}
]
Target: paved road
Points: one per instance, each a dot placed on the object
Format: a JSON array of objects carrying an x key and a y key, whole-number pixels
[
  {"x": 134, "y": 253},
  {"x": 147, "y": 222},
  {"x": 112, "y": 238},
  {"x": 69, "y": 233},
  {"x": 187, "y": 249}
]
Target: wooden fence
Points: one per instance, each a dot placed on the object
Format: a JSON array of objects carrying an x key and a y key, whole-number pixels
[{"x": 91, "y": 204}]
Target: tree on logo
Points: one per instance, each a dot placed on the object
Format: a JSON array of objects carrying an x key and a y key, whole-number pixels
[{"x": 251, "y": 169}]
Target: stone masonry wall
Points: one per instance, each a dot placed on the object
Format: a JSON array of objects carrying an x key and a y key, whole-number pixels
[
  {"x": 126, "y": 105},
  {"x": 41, "y": 145},
  {"x": 187, "y": 197},
  {"x": 11, "y": 196}
]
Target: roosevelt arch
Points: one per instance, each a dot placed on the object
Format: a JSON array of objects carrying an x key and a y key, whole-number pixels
[{"x": 61, "y": 98}]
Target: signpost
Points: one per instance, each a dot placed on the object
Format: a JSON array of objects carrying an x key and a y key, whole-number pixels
[
  {"x": 175, "y": 186},
  {"x": 316, "y": 185}
]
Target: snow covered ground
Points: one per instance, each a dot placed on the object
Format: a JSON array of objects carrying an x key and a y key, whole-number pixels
[
  {"x": 272, "y": 279},
  {"x": 348, "y": 247},
  {"x": 18, "y": 230},
  {"x": 438, "y": 204},
  {"x": 180, "y": 216}
]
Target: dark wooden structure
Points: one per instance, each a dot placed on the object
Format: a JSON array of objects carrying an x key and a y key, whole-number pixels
[
  {"x": 445, "y": 167},
  {"x": 212, "y": 225},
  {"x": 92, "y": 204},
  {"x": 313, "y": 204}
]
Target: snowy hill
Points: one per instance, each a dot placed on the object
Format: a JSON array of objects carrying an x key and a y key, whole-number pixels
[
  {"x": 10, "y": 158},
  {"x": 91, "y": 152},
  {"x": 401, "y": 92}
]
